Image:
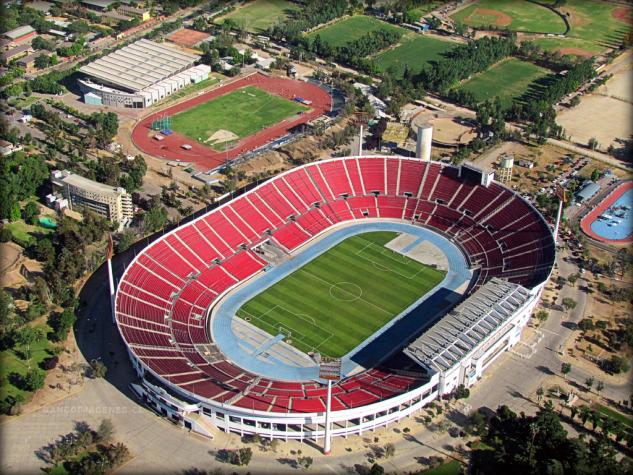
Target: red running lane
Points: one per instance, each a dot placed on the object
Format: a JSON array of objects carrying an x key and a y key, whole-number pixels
[
  {"x": 585, "y": 223},
  {"x": 205, "y": 158}
]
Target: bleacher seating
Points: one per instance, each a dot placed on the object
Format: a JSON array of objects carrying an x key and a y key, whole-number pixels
[{"x": 163, "y": 299}]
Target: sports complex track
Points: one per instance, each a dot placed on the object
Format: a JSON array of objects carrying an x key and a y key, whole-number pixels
[
  {"x": 589, "y": 218},
  {"x": 205, "y": 158}
]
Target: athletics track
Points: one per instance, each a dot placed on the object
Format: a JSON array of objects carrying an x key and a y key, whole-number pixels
[
  {"x": 205, "y": 158},
  {"x": 585, "y": 222}
]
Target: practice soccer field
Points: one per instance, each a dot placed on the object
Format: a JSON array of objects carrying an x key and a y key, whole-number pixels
[
  {"x": 595, "y": 26},
  {"x": 415, "y": 51},
  {"x": 336, "y": 301},
  {"x": 258, "y": 16},
  {"x": 507, "y": 79},
  {"x": 349, "y": 29},
  {"x": 517, "y": 15},
  {"x": 235, "y": 115}
]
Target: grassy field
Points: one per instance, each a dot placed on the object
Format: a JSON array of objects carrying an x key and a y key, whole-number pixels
[
  {"x": 415, "y": 51},
  {"x": 517, "y": 15},
  {"x": 349, "y": 29},
  {"x": 243, "y": 112},
  {"x": 10, "y": 362},
  {"x": 616, "y": 415},
  {"x": 339, "y": 299},
  {"x": 424, "y": 9},
  {"x": 593, "y": 27},
  {"x": 26, "y": 233},
  {"x": 449, "y": 468},
  {"x": 507, "y": 79},
  {"x": 259, "y": 15}
]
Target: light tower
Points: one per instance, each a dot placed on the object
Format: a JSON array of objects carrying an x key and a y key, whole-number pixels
[
  {"x": 329, "y": 370},
  {"x": 562, "y": 199},
  {"x": 109, "y": 253}
]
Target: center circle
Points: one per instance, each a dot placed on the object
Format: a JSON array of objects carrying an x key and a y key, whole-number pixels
[{"x": 345, "y": 291}]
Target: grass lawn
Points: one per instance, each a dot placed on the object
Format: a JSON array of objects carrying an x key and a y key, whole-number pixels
[
  {"x": 424, "y": 9},
  {"x": 336, "y": 301},
  {"x": 507, "y": 79},
  {"x": 10, "y": 362},
  {"x": 26, "y": 233},
  {"x": 415, "y": 51},
  {"x": 243, "y": 112},
  {"x": 259, "y": 15},
  {"x": 616, "y": 415},
  {"x": 593, "y": 27},
  {"x": 349, "y": 29},
  {"x": 521, "y": 15},
  {"x": 451, "y": 468}
]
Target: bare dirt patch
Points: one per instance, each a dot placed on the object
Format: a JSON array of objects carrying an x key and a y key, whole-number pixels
[
  {"x": 501, "y": 19},
  {"x": 576, "y": 52},
  {"x": 221, "y": 136},
  {"x": 624, "y": 14},
  {"x": 606, "y": 115}
]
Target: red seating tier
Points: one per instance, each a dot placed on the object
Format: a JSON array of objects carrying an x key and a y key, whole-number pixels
[{"x": 178, "y": 276}]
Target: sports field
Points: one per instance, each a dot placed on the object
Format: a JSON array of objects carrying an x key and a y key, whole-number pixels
[
  {"x": 507, "y": 79},
  {"x": 415, "y": 51},
  {"x": 349, "y": 29},
  {"x": 517, "y": 15},
  {"x": 222, "y": 121},
  {"x": 595, "y": 26},
  {"x": 259, "y": 15},
  {"x": 336, "y": 301}
]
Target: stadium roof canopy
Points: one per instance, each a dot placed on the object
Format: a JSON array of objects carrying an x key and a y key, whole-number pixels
[
  {"x": 457, "y": 334},
  {"x": 139, "y": 65}
]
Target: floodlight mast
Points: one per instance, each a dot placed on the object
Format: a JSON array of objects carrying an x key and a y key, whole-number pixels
[
  {"x": 110, "y": 251},
  {"x": 331, "y": 371},
  {"x": 327, "y": 444}
]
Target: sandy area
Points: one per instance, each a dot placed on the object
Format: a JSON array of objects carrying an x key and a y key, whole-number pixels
[{"x": 606, "y": 114}]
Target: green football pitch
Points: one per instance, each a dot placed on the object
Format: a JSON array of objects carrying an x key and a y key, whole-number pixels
[
  {"x": 337, "y": 300},
  {"x": 415, "y": 51},
  {"x": 258, "y": 16},
  {"x": 237, "y": 114},
  {"x": 349, "y": 29},
  {"x": 507, "y": 80}
]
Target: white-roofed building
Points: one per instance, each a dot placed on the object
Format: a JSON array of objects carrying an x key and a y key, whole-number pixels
[
  {"x": 461, "y": 345},
  {"x": 141, "y": 74}
]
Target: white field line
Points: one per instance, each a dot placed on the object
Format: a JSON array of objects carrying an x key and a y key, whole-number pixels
[{"x": 384, "y": 268}]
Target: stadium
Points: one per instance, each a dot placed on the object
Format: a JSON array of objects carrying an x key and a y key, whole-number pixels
[
  {"x": 231, "y": 120},
  {"x": 399, "y": 278}
]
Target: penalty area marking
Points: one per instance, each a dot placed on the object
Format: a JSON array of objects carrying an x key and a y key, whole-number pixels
[{"x": 390, "y": 255}]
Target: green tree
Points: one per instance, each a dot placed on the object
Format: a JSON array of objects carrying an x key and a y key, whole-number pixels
[
  {"x": 565, "y": 369},
  {"x": 105, "y": 431},
  {"x": 34, "y": 379},
  {"x": 542, "y": 315},
  {"x": 42, "y": 61},
  {"x": 569, "y": 303},
  {"x": 31, "y": 212},
  {"x": 589, "y": 383},
  {"x": 155, "y": 218}
]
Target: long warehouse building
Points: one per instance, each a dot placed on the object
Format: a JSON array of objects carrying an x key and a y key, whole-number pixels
[{"x": 139, "y": 75}]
